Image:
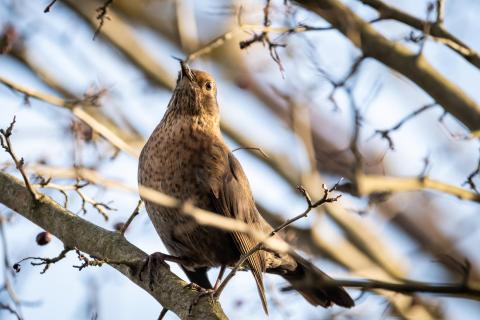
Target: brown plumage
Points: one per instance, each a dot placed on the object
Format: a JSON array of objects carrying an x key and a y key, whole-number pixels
[{"x": 187, "y": 158}]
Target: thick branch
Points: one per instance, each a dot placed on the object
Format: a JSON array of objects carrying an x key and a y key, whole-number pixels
[
  {"x": 168, "y": 289},
  {"x": 436, "y": 30},
  {"x": 400, "y": 59},
  {"x": 368, "y": 184},
  {"x": 409, "y": 287},
  {"x": 78, "y": 110}
]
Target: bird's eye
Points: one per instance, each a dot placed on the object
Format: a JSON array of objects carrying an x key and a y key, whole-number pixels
[{"x": 208, "y": 85}]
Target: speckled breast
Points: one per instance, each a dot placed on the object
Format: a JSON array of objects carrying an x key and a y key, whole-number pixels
[{"x": 177, "y": 160}]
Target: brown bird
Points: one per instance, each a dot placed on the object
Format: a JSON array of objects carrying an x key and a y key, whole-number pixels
[{"x": 187, "y": 158}]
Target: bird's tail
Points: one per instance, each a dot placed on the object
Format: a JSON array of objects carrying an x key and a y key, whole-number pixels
[{"x": 310, "y": 282}]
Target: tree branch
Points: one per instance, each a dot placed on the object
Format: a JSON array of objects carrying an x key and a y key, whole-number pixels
[
  {"x": 135, "y": 212},
  {"x": 168, "y": 289},
  {"x": 7, "y": 146},
  {"x": 408, "y": 287},
  {"x": 436, "y": 29},
  {"x": 385, "y": 133},
  {"x": 368, "y": 184},
  {"x": 76, "y": 107},
  {"x": 399, "y": 58},
  {"x": 102, "y": 16},
  {"x": 49, "y": 6},
  {"x": 310, "y": 205}
]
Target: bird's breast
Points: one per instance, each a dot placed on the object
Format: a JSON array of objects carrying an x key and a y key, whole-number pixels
[{"x": 180, "y": 160}]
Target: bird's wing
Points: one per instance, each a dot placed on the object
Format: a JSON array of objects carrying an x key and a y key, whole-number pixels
[{"x": 231, "y": 197}]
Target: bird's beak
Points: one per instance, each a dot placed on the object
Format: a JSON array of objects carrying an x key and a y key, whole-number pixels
[{"x": 186, "y": 72}]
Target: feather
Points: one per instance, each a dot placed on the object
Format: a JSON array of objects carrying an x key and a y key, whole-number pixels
[{"x": 231, "y": 197}]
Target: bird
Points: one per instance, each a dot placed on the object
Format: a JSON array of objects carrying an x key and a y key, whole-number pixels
[{"x": 187, "y": 158}]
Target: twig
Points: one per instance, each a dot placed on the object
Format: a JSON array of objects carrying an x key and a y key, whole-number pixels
[
  {"x": 163, "y": 313},
  {"x": 47, "y": 8},
  {"x": 7, "y": 146},
  {"x": 220, "y": 40},
  {"x": 86, "y": 262},
  {"x": 437, "y": 30},
  {"x": 252, "y": 148},
  {"x": 101, "y": 207},
  {"x": 8, "y": 285},
  {"x": 102, "y": 16},
  {"x": 357, "y": 123},
  {"x": 426, "y": 167},
  {"x": 310, "y": 205},
  {"x": 264, "y": 38},
  {"x": 352, "y": 71},
  {"x": 440, "y": 11},
  {"x": 130, "y": 219},
  {"x": 385, "y": 133},
  {"x": 472, "y": 176},
  {"x": 426, "y": 30},
  {"x": 9, "y": 308},
  {"x": 98, "y": 262},
  {"x": 42, "y": 261},
  {"x": 337, "y": 84}
]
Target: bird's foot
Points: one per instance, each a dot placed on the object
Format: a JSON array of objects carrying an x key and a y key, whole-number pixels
[
  {"x": 212, "y": 293},
  {"x": 166, "y": 257},
  {"x": 151, "y": 264},
  {"x": 155, "y": 260},
  {"x": 200, "y": 289},
  {"x": 202, "y": 292}
]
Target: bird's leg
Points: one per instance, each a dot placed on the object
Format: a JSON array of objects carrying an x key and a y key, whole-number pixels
[
  {"x": 220, "y": 277},
  {"x": 154, "y": 260},
  {"x": 203, "y": 291},
  {"x": 207, "y": 292},
  {"x": 167, "y": 257}
]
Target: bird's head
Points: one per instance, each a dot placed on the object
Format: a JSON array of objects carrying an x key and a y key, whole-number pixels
[{"x": 195, "y": 92}]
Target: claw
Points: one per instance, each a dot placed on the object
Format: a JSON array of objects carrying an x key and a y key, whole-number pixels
[
  {"x": 205, "y": 292},
  {"x": 194, "y": 286},
  {"x": 202, "y": 293},
  {"x": 151, "y": 263}
]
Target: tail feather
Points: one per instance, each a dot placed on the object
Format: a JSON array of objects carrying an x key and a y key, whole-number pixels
[
  {"x": 261, "y": 289},
  {"x": 307, "y": 280}
]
